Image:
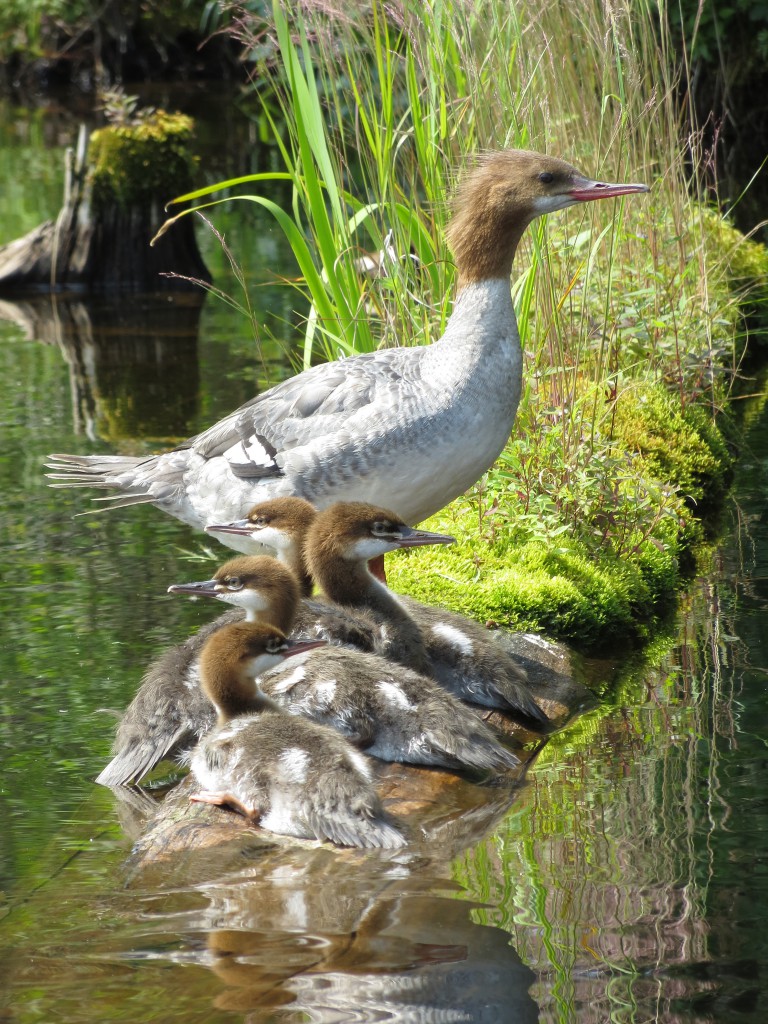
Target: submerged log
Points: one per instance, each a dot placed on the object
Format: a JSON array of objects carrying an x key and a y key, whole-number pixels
[
  {"x": 432, "y": 804},
  {"x": 115, "y": 187}
]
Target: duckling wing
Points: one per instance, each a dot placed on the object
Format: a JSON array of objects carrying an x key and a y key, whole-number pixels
[
  {"x": 169, "y": 712},
  {"x": 464, "y": 658},
  {"x": 373, "y": 832},
  {"x": 321, "y": 690}
]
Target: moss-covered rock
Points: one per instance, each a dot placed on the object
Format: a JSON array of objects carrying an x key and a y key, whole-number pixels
[
  {"x": 683, "y": 447},
  {"x": 745, "y": 264},
  {"x": 565, "y": 594}
]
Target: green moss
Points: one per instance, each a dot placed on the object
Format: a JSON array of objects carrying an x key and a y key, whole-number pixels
[
  {"x": 681, "y": 447},
  {"x": 133, "y": 165},
  {"x": 566, "y": 594},
  {"x": 745, "y": 261},
  {"x": 745, "y": 266}
]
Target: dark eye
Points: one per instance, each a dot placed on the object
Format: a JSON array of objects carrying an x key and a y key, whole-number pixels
[
  {"x": 546, "y": 177},
  {"x": 234, "y": 583},
  {"x": 275, "y": 646},
  {"x": 381, "y": 528},
  {"x": 259, "y": 521}
]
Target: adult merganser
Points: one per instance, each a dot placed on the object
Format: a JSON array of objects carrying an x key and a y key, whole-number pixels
[
  {"x": 291, "y": 776},
  {"x": 388, "y": 710},
  {"x": 338, "y": 544},
  {"x": 412, "y": 427}
]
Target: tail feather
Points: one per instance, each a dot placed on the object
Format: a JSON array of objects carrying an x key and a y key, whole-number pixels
[
  {"x": 520, "y": 700},
  {"x": 132, "y": 763},
  {"x": 115, "y": 501},
  {"x": 135, "y": 479},
  {"x": 477, "y": 748},
  {"x": 362, "y": 831}
]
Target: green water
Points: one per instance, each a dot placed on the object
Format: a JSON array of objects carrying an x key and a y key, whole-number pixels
[{"x": 627, "y": 881}]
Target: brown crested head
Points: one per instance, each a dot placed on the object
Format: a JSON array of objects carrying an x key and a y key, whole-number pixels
[
  {"x": 500, "y": 196},
  {"x": 264, "y": 585},
  {"x": 239, "y": 642},
  {"x": 254, "y": 571},
  {"x": 346, "y": 536},
  {"x": 337, "y": 529},
  {"x": 289, "y": 515},
  {"x": 282, "y": 524},
  {"x": 232, "y": 658}
]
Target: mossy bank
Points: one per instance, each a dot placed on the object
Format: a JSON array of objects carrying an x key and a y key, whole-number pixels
[{"x": 585, "y": 583}]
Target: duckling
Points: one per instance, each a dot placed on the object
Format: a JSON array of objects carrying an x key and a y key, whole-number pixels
[
  {"x": 388, "y": 710},
  {"x": 281, "y": 525},
  {"x": 291, "y": 776},
  {"x": 170, "y": 713},
  {"x": 339, "y": 544}
]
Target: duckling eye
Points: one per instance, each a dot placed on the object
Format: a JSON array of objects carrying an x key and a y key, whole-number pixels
[
  {"x": 234, "y": 583},
  {"x": 381, "y": 528},
  {"x": 275, "y": 646},
  {"x": 260, "y": 521},
  {"x": 546, "y": 177}
]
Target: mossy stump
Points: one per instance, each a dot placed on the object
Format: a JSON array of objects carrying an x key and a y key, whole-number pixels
[{"x": 117, "y": 184}]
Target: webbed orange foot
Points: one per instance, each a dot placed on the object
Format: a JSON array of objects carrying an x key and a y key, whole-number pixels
[{"x": 223, "y": 799}]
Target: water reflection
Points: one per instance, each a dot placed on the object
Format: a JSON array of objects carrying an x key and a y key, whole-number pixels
[
  {"x": 640, "y": 890},
  {"x": 297, "y": 930},
  {"x": 398, "y": 955},
  {"x": 630, "y": 875},
  {"x": 133, "y": 365}
]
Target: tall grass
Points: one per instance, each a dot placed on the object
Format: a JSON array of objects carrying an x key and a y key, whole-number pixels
[{"x": 381, "y": 104}]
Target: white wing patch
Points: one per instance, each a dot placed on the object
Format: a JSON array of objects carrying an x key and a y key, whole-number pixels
[
  {"x": 293, "y": 764},
  {"x": 454, "y": 637},
  {"x": 290, "y": 680},
  {"x": 395, "y": 695},
  {"x": 325, "y": 692},
  {"x": 251, "y": 450}
]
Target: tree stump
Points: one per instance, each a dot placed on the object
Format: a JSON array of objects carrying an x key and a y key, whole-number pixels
[{"x": 116, "y": 185}]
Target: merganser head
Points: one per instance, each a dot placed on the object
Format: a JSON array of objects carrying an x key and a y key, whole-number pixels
[
  {"x": 276, "y": 523},
  {"x": 500, "y": 197},
  {"x": 235, "y": 656},
  {"x": 357, "y": 532},
  {"x": 261, "y": 585},
  {"x": 280, "y": 524}
]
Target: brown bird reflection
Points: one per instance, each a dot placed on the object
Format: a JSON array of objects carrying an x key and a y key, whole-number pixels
[
  {"x": 309, "y": 932},
  {"x": 336, "y": 943}
]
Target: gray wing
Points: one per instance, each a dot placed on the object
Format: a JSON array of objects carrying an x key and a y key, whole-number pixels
[{"x": 326, "y": 404}]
